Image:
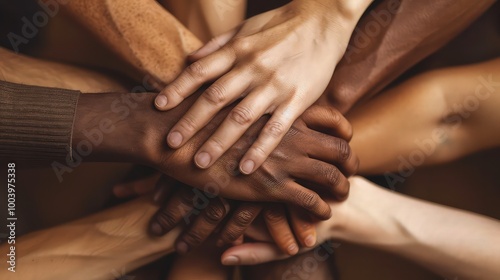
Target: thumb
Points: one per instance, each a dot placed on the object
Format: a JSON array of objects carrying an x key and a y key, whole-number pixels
[
  {"x": 213, "y": 45},
  {"x": 252, "y": 254}
]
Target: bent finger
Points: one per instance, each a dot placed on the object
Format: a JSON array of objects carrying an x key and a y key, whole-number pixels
[{"x": 277, "y": 224}]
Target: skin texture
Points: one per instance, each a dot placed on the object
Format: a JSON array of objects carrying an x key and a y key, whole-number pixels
[
  {"x": 17, "y": 68},
  {"x": 140, "y": 141},
  {"x": 92, "y": 242},
  {"x": 207, "y": 18},
  {"x": 434, "y": 236},
  {"x": 363, "y": 81},
  {"x": 368, "y": 216},
  {"x": 161, "y": 58},
  {"x": 463, "y": 100},
  {"x": 408, "y": 32},
  {"x": 266, "y": 61}
]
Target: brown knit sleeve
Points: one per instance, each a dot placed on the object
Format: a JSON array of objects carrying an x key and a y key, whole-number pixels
[{"x": 36, "y": 123}]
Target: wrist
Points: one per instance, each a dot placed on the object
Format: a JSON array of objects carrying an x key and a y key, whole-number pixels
[
  {"x": 348, "y": 11},
  {"x": 111, "y": 127},
  {"x": 369, "y": 217}
]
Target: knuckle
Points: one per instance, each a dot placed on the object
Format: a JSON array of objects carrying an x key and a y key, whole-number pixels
[
  {"x": 308, "y": 200},
  {"x": 186, "y": 197},
  {"x": 215, "y": 213},
  {"x": 241, "y": 45},
  {"x": 332, "y": 176},
  {"x": 274, "y": 129},
  {"x": 215, "y": 94},
  {"x": 217, "y": 143},
  {"x": 174, "y": 89},
  {"x": 344, "y": 151},
  {"x": 242, "y": 115},
  {"x": 188, "y": 124},
  {"x": 244, "y": 218},
  {"x": 273, "y": 216},
  {"x": 193, "y": 237},
  {"x": 196, "y": 70},
  {"x": 336, "y": 118},
  {"x": 231, "y": 234},
  {"x": 166, "y": 220}
]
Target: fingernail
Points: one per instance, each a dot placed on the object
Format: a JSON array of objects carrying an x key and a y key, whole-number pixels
[
  {"x": 156, "y": 229},
  {"x": 175, "y": 139},
  {"x": 182, "y": 247},
  {"x": 310, "y": 241},
  {"x": 231, "y": 260},
  {"x": 161, "y": 101},
  {"x": 293, "y": 249},
  {"x": 203, "y": 159},
  {"x": 248, "y": 166}
]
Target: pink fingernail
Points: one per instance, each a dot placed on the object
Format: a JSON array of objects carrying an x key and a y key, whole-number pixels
[
  {"x": 247, "y": 166},
  {"x": 161, "y": 101},
  {"x": 203, "y": 159},
  {"x": 293, "y": 249},
  {"x": 175, "y": 139},
  {"x": 231, "y": 260},
  {"x": 310, "y": 241}
]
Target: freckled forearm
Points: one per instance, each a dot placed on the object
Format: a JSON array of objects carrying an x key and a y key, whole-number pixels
[{"x": 142, "y": 32}]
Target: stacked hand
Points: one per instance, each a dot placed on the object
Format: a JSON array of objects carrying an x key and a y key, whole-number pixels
[{"x": 279, "y": 62}]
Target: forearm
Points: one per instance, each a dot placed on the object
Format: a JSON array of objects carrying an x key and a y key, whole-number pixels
[
  {"x": 391, "y": 39},
  {"x": 93, "y": 243},
  {"x": 454, "y": 243},
  {"x": 142, "y": 32},
  {"x": 17, "y": 68},
  {"x": 429, "y": 119}
]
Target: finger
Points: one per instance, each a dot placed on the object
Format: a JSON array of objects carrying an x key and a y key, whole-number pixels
[
  {"x": 327, "y": 177},
  {"x": 252, "y": 254},
  {"x": 277, "y": 224},
  {"x": 193, "y": 77},
  {"x": 173, "y": 212},
  {"x": 213, "y": 45},
  {"x": 269, "y": 138},
  {"x": 221, "y": 93},
  {"x": 203, "y": 226},
  {"x": 241, "y": 117},
  {"x": 307, "y": 200},
  {"x": 328, "y": 120},
  {"x": 303, "y": 227},
  {"x": 333, "y": 150},
  {"x": 240, "y": 220}
]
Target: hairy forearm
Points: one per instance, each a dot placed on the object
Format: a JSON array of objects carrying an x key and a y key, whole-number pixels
[
  {"x": 142, "y": 32},
  {"x": 93, "y": 243},
  {"x": 392, "y": 38},
  {"x": 452, "y": 242}
]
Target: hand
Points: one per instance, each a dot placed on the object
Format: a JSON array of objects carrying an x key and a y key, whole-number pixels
[
  {"x": 304, "y": 155},
  {"x": 354, "y": 222},
  {"x": 280, "y": 62},
  {"x": 203, "y": 214},
  {"x": 304, "y": 158}
]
